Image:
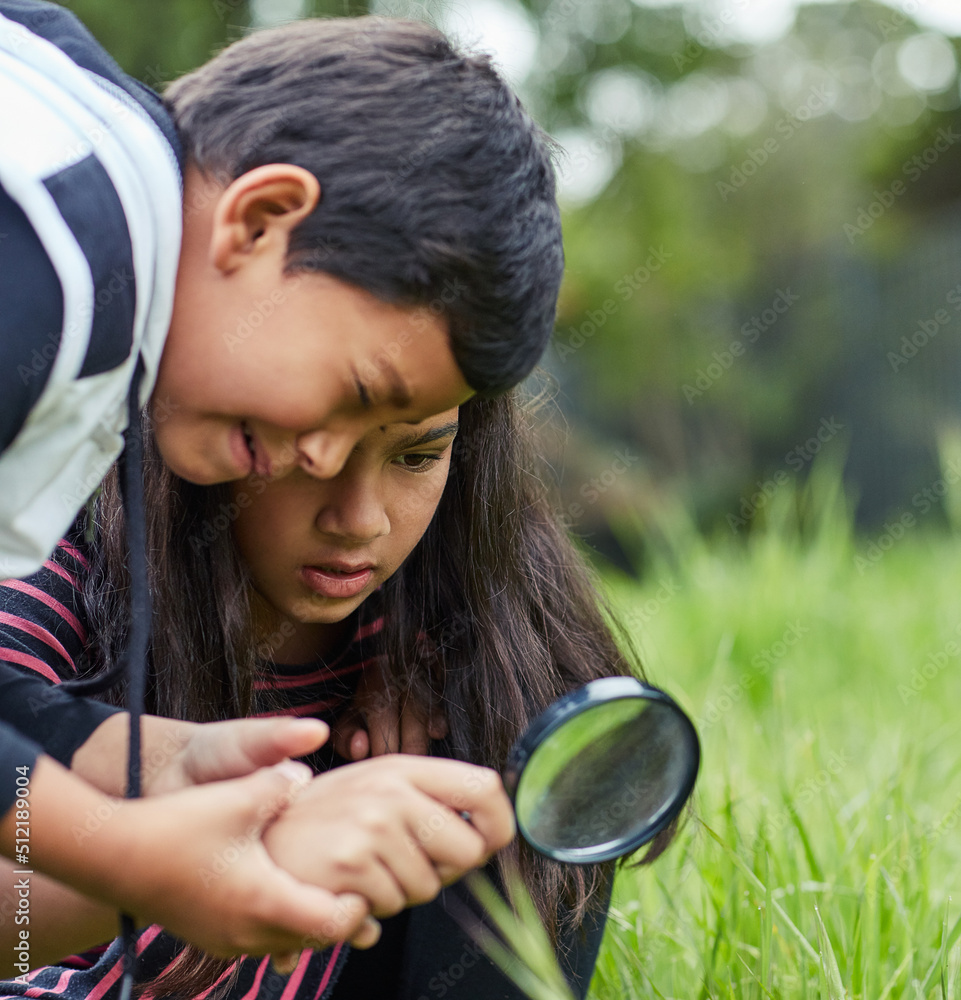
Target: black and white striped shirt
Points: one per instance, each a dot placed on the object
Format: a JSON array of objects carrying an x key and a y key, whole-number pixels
[{"x": 90, "y": 217}]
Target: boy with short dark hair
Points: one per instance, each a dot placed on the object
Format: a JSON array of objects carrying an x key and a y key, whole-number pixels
[{"x": 369, "y": 235}]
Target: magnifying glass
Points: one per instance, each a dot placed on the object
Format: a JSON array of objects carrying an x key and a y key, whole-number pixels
[{"x": 602, "y": 771}]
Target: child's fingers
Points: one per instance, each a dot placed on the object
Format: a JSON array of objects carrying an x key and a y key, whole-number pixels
[
  {"x": 452, "y": 844},
  {"x": 285, "y": 738},
  {"x": 273, "y": 789},
  {"x": 359, "y": 745},
  {"x": 414, "y": 738},
  {"x": 285, "y": 964},
  {"x": 309, "y": 916},
  {"x": 467, "y": 788},
  {"x": 383, "y": 730},
  {"x": 437, "y": 727},
  {"x": 221, "y": 750},
  {"x": 368, "y": 935}
]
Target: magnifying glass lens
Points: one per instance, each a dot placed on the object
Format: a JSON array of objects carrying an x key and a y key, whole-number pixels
[{"x": 607, "y": 780}]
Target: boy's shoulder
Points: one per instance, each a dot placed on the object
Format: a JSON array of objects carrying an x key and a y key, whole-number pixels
[
  {"x": 90, "y": 205},
  {"x": 63, "y": 29}
]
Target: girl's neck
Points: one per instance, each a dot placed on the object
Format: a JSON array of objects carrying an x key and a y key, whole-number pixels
[{"x": 284, "y": 640}]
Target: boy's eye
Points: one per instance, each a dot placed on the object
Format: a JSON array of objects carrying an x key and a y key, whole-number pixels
[{"x": 362, "y": 393}]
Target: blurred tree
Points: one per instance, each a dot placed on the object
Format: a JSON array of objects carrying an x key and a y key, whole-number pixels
[{"x": 756, "y": 231}]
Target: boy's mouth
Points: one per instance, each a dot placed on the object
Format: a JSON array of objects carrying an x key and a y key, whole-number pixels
[{"x": 260, "y": 460}]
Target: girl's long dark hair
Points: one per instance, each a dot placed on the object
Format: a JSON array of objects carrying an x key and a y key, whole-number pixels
[{"x": 495, "y": 614}]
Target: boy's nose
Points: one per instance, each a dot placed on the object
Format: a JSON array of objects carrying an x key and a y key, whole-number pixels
[{"x": 323, "y": 454}]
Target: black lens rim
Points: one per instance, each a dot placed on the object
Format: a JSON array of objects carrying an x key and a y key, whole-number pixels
[{"x": 589, "y": 696}]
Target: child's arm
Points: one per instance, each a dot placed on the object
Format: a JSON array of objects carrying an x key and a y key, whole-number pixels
[
  {"x": 192, "y": 861},
  {"x": 62, "y": 922},
  {"x": 178, "y": 755}
]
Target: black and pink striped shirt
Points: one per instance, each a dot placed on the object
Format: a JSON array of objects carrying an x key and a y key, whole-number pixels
[{"x": 43, "y": 632}]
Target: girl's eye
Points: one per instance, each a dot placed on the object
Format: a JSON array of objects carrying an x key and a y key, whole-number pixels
[{"x": 417, "y": 462}]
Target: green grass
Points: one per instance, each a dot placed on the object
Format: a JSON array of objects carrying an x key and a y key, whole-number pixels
[{"x": 823, "y": 856}]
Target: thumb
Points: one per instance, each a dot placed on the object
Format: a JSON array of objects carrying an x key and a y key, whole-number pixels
[
  {"x": 221, "y": 750},
  {"x": 271, "y": 790},
  {"x": 268, "y": 741},
  {"x": 322, "y": 918}
]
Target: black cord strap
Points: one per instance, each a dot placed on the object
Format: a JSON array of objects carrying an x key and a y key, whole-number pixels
[{"x": 132, "y": 665}]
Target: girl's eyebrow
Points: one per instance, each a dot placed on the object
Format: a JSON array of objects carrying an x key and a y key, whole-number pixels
[{"x": 433, "y": 434}]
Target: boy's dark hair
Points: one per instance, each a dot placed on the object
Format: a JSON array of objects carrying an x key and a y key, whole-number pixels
[{"x": 437, "y": 188}]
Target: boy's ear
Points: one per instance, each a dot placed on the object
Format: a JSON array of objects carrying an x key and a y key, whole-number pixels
[{"x": 257, "y": 211}]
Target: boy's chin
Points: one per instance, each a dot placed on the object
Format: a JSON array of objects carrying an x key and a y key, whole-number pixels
[{"x": 202, "y": 459}]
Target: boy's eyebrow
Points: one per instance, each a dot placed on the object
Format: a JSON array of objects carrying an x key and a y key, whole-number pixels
[
  {"x": 399, "y": 393},
  {"x": 433, "y": 434}
]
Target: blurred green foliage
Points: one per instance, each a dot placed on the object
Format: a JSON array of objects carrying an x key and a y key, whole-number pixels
[{"x": 761, "y": 236}]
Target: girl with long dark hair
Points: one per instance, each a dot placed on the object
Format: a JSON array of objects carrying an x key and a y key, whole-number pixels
[{"x": 432, "y": 574}]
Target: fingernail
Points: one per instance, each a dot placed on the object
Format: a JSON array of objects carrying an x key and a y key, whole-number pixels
[{"x": 295, "y": 771}]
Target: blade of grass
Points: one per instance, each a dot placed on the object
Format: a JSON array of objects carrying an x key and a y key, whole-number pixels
[
  {"x": 829, "y": 964},
  {"x": 758, "y": 885},
  {"x": 946, "y": 943},
  {"x": 898, "y": 972},
  {"x": 528, "y": 958}
]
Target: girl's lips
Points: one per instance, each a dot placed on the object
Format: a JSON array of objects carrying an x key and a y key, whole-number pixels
[{"x": 329, "y": 582}]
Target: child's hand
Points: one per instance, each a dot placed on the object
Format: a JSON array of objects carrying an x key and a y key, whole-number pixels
[
  {"x": 216, "y": 751},
  {"x": 178, "y": 755},
  {"x": 374, "y": 725},
  {"x": 391, "y": 828},
  {"x": 193, "y": 861}
]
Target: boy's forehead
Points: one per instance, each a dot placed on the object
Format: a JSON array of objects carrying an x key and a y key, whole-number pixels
[{"x": 399, "y": 394}]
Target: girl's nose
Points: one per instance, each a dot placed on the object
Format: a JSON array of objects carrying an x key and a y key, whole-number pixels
[{"x": 353, "y": 510}]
